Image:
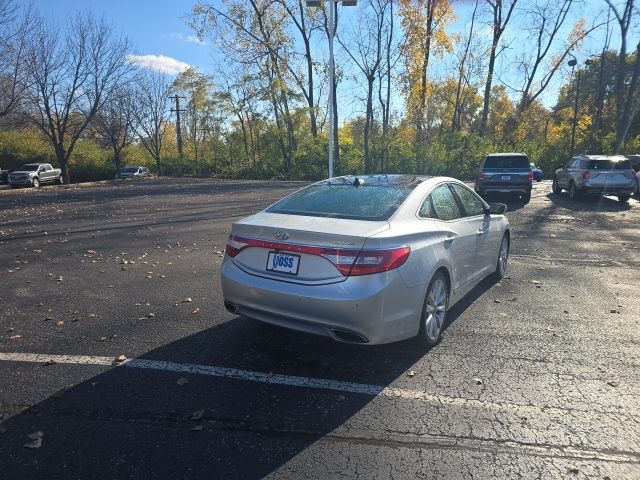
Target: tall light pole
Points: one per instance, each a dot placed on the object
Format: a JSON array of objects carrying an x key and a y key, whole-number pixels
[
  {"x": 572, "y": 63},
  {"x": 332, "y": 67}
]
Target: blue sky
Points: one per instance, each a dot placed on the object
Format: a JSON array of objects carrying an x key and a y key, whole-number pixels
[
  {"x": 159, "y": 31},
  {"x": 156, "y": 27}
]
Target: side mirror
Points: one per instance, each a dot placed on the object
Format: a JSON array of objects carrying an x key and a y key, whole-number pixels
[{"x": 497, "y": 209}]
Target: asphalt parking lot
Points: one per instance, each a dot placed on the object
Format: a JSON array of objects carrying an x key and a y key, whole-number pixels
[{"x": 536, "y": 377}]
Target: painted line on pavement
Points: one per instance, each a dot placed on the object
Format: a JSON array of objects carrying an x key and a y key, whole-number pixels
[{"x": 309, "y": 382}]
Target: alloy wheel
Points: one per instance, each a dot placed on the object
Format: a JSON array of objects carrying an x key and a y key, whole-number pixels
[
  {"x": 503, "y": 257},
  {"x": 435, "y": 309}
]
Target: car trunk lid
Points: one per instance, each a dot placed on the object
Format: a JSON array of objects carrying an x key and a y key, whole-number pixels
[{"x": 306, "y": 241}]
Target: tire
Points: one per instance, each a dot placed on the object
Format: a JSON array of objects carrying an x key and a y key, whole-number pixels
[
  {"x": 573, "y": 191},
  {"x": 555, "y": 187},
  {"x": 636, "y": 189},
  {"x": 60, "y": 180},
  {"x": 35, "y": 183},
  {"x": 526, "y": 198},
  {"x": 503, "y": 258},
  {"x": 624, "y": 198},
  {"x": 434, "y": 310}
]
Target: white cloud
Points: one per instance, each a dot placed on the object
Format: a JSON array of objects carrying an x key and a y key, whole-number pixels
[
  {"x": 160, "y": 63},
  {"x": 188, "y": 38}
]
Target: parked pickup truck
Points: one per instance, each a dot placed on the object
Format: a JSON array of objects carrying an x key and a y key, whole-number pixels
[{"x": 34, "y": 175}]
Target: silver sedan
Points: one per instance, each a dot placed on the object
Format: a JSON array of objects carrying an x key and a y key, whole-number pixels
[{"x": 369, "y": 259}]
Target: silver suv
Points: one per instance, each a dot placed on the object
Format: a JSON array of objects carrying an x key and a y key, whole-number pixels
[{"x": 595, "y": 175}]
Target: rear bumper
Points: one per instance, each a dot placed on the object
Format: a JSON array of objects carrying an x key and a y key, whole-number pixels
[
  {"x": 504, "y": 188},
  {"x": 608, "y": 190},
  {"x": 379, "y": 308}
]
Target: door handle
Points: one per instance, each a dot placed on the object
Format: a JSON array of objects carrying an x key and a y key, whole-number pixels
[{"x": 448, "y": 240}]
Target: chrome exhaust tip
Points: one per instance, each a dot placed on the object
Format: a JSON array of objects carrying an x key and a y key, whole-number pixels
[
  {"x": 231, "y": 308},
  {"x": 347, "y": 336}
]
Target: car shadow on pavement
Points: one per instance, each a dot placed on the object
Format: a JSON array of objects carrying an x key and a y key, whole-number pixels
[
  {"x": 132, "y": 422},
  {"x": 588, "y": 203}
]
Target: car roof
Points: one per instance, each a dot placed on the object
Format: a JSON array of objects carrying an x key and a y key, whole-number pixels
[
  {"x": 511, "y": 154},
  {"x": 615, "y": 158}
]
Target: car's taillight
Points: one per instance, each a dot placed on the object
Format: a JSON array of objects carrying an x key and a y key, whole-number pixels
[
  {"x": 366, "y": 262},
  {"x": 234, "y": 245},
  {"x": 531, "y": 175},
  {"x": 482, "y": 176},
  {"x": 347, "y": 261},
  {"x": 586, "y": 174}
]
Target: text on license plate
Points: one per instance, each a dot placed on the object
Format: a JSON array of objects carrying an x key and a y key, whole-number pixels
[
  {"x": 283, "y": 262},
  {"x": 611, "y": 177},
  {"x": 506, "y": 178}
]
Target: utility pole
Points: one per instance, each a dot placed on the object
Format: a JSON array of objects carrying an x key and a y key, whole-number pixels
[{"x": 178, "y": 129}]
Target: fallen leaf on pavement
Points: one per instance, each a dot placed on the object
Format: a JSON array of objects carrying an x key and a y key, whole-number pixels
[
  {"x": 120, "y": 358},
  {"x": 182, "y": 381},
  {"x": 197, "y": 428},
  {"x": 197, "y": 415},
  {"x": 613, "y": 383},
  {"x": 50, "y": 362},
  {"x": 187, "y": 300},
  {"x": 477, "y": 381},
  {"x": 195, "y": 311},
  {"x": 59, "y": 323},
  {"x": 411, "y": 373},
  {"x": 37, "y": 440}
]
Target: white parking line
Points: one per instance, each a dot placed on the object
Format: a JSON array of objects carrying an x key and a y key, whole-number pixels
[{"x": 296, "y": 381}]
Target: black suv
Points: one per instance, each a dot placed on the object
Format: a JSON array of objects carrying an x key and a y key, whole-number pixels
[{"x": 505, "y": 172}]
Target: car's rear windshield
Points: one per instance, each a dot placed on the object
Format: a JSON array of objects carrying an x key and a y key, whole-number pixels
[
  {"x": 130, "y": 170},
  {"x": 364, "y": 202},
  {"x": 503, "y": 161},
  {"x": 609, "y": 165},
  {"x": 29, "y": 168}
]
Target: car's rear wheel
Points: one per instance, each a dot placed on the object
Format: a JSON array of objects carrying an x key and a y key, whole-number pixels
[
  {"x": 434, "y": 310},
  {"x": 35, "y": 183},
  {"x": 555, "y": 186},
  {"x": 60, "y": 180},
  {"x": 526, "y": 198},
  {"x": 503, "y": 258},
  {"x": 624, "y": 198},
  {"x": 573, "y": 191}
]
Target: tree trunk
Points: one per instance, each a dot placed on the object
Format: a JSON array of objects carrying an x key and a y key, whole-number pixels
[
  {"x": 367, "y": 124},
  {"x": 627, "y": 115}
]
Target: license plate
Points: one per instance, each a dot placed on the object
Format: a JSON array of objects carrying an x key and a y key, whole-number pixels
[
  {"x": 506, "y": 178},
  {"x": 283, "y": 263},
  {"x": 611, "y": 177}
]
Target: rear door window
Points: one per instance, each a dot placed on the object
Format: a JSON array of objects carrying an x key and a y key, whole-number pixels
[
  {"x": 515, "y": 161},
  {"x": 445, "y": 205},
  {"x": 608, "y": 165},
  {"x": 471, "y": 204}
]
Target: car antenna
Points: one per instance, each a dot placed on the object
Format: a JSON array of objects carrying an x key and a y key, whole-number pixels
[{"x": 357, "y": 182}]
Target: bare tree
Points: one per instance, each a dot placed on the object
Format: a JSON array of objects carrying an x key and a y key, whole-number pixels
[
  {"x": 462, "y": 73},
  {"x": 365, "y": 49},
  {"x": 73, "y": 71},
  {"x": 305, "y": 21},
  {"x": 151, "y": 112},
  {"x": 16, "y": 38},
  {"x": 113, "y": 124},
  {"x": 624, "y": 95},
  {"x": 501, "y": 15},
  {"x": 547, "y": 18}
]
